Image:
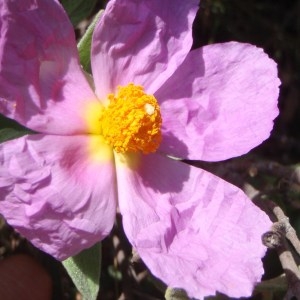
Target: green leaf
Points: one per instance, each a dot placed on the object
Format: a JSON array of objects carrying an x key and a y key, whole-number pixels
[
  {"x": 10, "y": 129},
  {"x": 176, "y": 294},
  {"x": 84, "y": 269},
  {"x": 78, "y": 9},
  {"x": 84, "y": 45},
  {"x": 114, "y": 273}
]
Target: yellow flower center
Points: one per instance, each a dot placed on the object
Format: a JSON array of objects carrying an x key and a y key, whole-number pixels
[{"x": 132, "y": 121}]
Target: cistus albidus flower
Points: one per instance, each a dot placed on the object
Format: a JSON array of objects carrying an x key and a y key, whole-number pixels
[{"x": 113, "y": 146}]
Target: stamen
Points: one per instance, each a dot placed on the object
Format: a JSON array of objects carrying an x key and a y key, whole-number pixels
[{"x": 132, "y": 121}]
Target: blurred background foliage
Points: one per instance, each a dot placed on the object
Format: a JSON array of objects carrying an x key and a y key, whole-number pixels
[{"x": 272, "y": 25}]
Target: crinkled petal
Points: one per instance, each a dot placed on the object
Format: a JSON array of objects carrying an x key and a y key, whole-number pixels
[
  {"x": 220, "y": 103},
  {"x": 141, "y": 42},
  {"x": 41, "y": 82},
  {"x": 58, "y": 191},
  {"x": 192, "y": 229}
]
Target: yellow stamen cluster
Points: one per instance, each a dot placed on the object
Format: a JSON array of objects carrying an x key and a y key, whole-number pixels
[{"x": 132, "y": 121}]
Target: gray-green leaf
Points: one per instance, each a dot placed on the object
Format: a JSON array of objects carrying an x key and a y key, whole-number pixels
[
  {"x": 84, "y": 45},
  {"x": 84, "y": 269},
  {"x": 10, "y": 129},
  {"x": 176, "y": 294}
]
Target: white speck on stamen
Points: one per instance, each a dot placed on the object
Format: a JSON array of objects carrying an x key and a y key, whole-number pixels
[{"x": 149, "y": 109}]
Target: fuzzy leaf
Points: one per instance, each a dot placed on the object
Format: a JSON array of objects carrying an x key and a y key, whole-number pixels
[
  {"x": 10, "y": 129},
  {"x": 176, "y": 294},
  {"x": 84, "y": 269},
  {"x": 84, "y": 45}
]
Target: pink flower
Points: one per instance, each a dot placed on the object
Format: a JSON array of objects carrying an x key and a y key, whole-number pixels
[{"x": 60, "y": 187}]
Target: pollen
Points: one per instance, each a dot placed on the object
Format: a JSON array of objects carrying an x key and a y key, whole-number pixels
[{"x": 132, "y": 121}]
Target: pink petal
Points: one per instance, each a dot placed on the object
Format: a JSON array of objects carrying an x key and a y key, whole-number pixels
[
  {"x": 192, "y": 229},
  {"x": 42, "y": 85},
  {"x": 220, "y": 103},
  {"x": 57, "y": 192},
  {"x": 141, "y": 42}
]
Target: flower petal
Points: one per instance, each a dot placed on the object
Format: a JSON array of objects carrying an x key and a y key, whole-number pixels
[
  {"x": 141, "y": 42},
  {"x": 192, "y": 229},
  {"x": 220, "y": 103},
  {"x": 42, "y": 85},
  {"x": 57, "y": 191}
]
